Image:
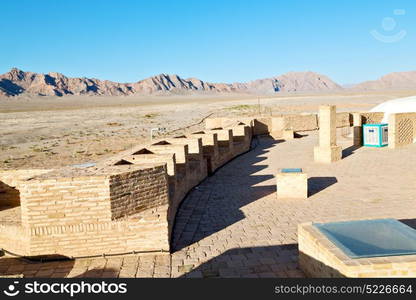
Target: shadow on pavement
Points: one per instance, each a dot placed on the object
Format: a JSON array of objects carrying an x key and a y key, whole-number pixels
[
  {"x": 267, "y": 262},
  {"x": 318, "y": 184},
  {"x": 349, "y": 151},
  {"x": 14, "y": 267},
  {"x": 215, "y": 204}
]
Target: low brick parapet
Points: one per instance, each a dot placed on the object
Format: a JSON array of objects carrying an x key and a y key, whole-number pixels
[{"x": 125, "y": 203}]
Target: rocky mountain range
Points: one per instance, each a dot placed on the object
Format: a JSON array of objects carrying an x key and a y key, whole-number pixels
[
  {"x": 396, "y": 80},
  {"x": 17, "y": 82},
  {"x": 293, "y": 82}
]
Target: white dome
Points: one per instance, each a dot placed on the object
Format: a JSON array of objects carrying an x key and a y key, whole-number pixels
[{"x": 400, "y": 105}]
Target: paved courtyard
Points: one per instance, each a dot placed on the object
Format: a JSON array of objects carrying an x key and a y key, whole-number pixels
[{"x": 232, "y": 225}]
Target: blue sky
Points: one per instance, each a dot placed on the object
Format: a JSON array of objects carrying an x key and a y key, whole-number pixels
[{"x": 218, "y": 41}]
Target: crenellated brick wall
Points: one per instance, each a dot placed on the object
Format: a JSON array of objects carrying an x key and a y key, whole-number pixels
[
  {"x": 122, "y": 204},
  {"x": 277, "y": 125}
]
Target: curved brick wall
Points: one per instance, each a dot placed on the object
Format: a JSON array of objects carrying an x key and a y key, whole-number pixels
[
  {"x": 128, "y": 202},
  {"x": 122, "y": 204}
]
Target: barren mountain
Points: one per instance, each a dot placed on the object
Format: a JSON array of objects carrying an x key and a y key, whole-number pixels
[
  {"x": 17, "y": 82},
  {"x": 55, "y": 84},
  {"x": 397, "y": 80},
  {"x": 175, "y": 84},
  {"x": 293, "y": 82}
]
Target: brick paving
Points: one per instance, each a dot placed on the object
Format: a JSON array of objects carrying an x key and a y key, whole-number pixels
[{"x": 232, "y": 225}]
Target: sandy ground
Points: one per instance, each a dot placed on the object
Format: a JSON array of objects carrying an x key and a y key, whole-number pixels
[{"x": 47, "y": 132}]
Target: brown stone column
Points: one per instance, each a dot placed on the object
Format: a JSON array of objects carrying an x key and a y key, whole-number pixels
[{"x": 327, "y": 151}]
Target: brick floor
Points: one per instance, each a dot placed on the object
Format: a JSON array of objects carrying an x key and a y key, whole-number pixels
[{"x": 232, "y": 225}]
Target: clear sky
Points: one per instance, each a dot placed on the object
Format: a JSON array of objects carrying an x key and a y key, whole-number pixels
[{"x": 218, "y": 41}]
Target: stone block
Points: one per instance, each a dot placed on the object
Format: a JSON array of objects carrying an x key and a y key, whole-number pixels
[{"x": 292, "y": 185}]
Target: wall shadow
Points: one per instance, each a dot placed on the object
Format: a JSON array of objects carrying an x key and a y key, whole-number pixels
[
  {"x": 266, "y": 262},
  {"x": 99, "y": 273},
  {"x": 215, "y": 204},
  {"x": 299, "y": 136},
  {"x": 314, "y": 268},
  {"x": 318, "y": 184},
  {"x": 17, "y": 267},
  {"x": 349, "y": 151},
  {"x": 9, "y": 196}
]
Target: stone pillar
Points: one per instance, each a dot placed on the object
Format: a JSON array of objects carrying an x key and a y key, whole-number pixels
[
  {"x": 327, "y": 151},
  {"x": 357, "y": 129}
]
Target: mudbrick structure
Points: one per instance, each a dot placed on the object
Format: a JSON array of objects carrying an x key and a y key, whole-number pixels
[
  {"x": 123, "y": 204},
  {"x": 128, "y": 203}
]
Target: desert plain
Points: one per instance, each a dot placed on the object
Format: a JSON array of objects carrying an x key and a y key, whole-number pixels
[{"x": 46, "y": 131}]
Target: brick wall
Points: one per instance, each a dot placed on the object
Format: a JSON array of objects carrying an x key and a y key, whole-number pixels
[
  {"x": 275, "y": 125},
  {"x": 344, "y": 119},
  {"x": 65, "y": 201},
  {"x": 122, "y": 204},
  {"x": 372, "y": 117},
  {"x": 147, "y": 231},
  {"x": 137, "y": 191},
  {"x": 14, "y": 238},
  {"x": 75, "y": 212},
  {"x": 297, "y": 122}
]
